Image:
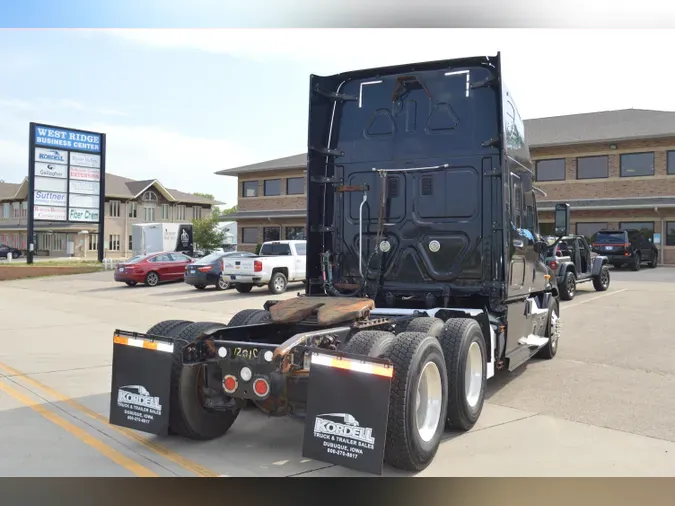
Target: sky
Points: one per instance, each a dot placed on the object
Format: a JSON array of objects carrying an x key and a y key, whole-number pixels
[{"x": 179, "y": 104}]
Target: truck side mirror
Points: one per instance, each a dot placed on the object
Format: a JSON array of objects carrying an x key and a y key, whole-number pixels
[{"x": 562, "y": 220}]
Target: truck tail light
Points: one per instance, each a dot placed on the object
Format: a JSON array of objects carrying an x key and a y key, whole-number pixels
[
  {"x": 257, "y": 266},
  {"x": 261, "y": 387},
  {"x": 230, "y": 384}
]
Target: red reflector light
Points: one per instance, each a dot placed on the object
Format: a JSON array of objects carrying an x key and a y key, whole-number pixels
[
  {"x": 261, "y": 387},
  {"x": 257, "y": 266},
  {"x": 230, "y": 384},
  {"x": 553, "y": 264}
]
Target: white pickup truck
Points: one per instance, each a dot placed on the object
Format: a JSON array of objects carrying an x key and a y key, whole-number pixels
[{"x": 277, "y": 264}]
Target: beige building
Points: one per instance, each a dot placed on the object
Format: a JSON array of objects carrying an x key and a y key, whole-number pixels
[
  {"x": 127, "y": 202},
  {"x": 272, "y": 203},
  {"x": 615, "y": 168}
]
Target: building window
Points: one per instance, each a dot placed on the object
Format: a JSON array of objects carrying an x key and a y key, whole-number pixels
[
  {"x": 93, "y": 242},
  {"x": 115, "y": 208},
  {"x": 180, "y": 212},
  {"x": 295, "y": 233},
  {"x": 131, "y": 243},
  {"x": 133, "y": 209},
  {"x": 551, "y": 170},
  {"x": 24, "y": 209},
  {"x": 149, "y": 214},
  {"x": 6, "y": 210},
  {"x": 546, "y": 228},
  {"x": 592, "y": 167},
  {"x": 196, "y": 213},
  {"x": 637, "y": 164},
  {"x": 149, "y": 196},
  {"x": 16, "y": 210},
  {"x": 60, "y": 242},
  {"x": 44, "y": 242},
  {"x": 295, "y": 186},
  {"x": 249, "y": 189},
  {"x": 271, "y": 234},
  {"x": 165, "y": 211},
  {"x": 588, "y": 230},
  {"x": 272, "y": 187},
  {"x": 670, "y": 233},
  {"x": 670, "y": 162},
  {"x": 249, "y": 235},
  {"x": 114, "y": 242},
  {"x": 644, "y": 227}
]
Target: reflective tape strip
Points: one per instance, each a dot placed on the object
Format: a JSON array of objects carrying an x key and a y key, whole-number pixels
[
  {"x": 353, "y": 365},
  {"x": 141, "y": 343}
]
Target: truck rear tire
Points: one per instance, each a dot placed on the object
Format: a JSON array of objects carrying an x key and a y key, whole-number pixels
[
  {"x": 278, "y": 283},
  {"x": 601, "y": 281},
  {"x": 188, "y": 418},
  {"x": 568, "y": 287},
  {"x": 168, "y": 328},
  {"x": 243, "y": 287},
  {"x": 427, "y": 325},
  {"x": 463, "y": 347},
  {"x": 418, "y": 402},
  {"x": 370, "y": 343},
  {"x": 249, "y": 317}
]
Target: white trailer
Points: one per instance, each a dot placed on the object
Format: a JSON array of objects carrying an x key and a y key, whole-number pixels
[{"x": 147, "y": 238}]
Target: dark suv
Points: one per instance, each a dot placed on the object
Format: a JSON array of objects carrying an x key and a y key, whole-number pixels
[{"x": 626, "y": 247}]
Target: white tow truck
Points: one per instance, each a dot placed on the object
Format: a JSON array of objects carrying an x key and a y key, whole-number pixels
[{"x": 277, "y": 264}]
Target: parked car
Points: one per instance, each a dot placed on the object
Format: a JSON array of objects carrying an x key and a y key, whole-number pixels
[
  {"x": 572, "y": 262},
  {"x": 6, "y": 250},
  {"x": 207, "y": 271},
  {"x": 152, "y": 269},
  {"x": 626, "y": 247},
  {"x": 277, "y": 264}
]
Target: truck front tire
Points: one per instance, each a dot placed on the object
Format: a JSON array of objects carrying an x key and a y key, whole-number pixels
[
  {"x": 464, "y": 350},
  {"x": 188, "y": 418},
  {"x": 417, "y": 406},
  {"x": 552, "y": 331}
]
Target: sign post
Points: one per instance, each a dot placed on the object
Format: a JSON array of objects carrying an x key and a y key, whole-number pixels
[{"x": 66, "y": 180}]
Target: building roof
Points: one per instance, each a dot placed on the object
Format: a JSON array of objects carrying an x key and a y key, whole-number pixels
[
  {"x": 288, "y": 162},
  {"x": 610, "y": 203},
  {"x": 602, "y": 126},
  {"x": 116, "y": 186}
]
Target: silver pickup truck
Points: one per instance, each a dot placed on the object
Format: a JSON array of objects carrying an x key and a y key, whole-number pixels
[{"x": 277, "y": 264}]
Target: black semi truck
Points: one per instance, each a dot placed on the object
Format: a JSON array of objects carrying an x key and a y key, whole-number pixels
[{"x": 425, "y": 275}]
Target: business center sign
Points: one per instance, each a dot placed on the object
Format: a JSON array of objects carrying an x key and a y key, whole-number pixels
[{"x": 67, "y": 173}]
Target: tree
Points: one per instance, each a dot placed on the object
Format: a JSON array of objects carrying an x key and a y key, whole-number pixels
[
  {"x": 205, "y": 195},
  {"x": 206, "y": 233},
  {"x": 229, "y": 210}
]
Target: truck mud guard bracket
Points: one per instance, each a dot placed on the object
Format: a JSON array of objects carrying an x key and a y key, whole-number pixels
[{"x": 327, "y": 151}]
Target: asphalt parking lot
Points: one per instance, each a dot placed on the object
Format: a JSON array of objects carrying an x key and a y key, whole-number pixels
[{"x": 605, "y": 406}]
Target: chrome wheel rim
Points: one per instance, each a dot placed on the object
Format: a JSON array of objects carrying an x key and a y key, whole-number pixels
[
  {"x": 555, "y": 329},
  {"x": 152, "y": 278},
  {"x": 604, "y": 278},
  {"x": 224, "y": 285},
  {"x": 428, "y": 402},
  {"x": 571, "y": 286},
  {"x": 278, "y": 283},
  {"x": 473, "y": 374}
]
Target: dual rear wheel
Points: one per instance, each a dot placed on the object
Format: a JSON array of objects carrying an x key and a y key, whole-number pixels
[{"x": 439, "y": 381}]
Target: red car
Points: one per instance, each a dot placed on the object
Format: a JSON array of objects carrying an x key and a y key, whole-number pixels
[{"x": 152, "y": 269}]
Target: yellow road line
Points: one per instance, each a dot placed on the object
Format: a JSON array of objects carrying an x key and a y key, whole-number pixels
[
  {"x": 80, "y": 434},
  {"x": 170, "y": 455}
]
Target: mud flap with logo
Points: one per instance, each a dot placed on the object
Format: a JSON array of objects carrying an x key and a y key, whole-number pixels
[
  {"x": 141, "y": 385},
  {"x": 347, "y": 410}
]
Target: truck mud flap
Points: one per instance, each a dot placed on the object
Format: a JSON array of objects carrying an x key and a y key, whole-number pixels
[
  {"x": 347, "y": 410},
  {"x": 141, "y": 383}
]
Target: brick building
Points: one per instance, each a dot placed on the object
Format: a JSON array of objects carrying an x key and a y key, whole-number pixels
[
  {"x": 127, "y": 202},
  {"x": 271, "y": 201},
  {"x": 615, "y": 168}
]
